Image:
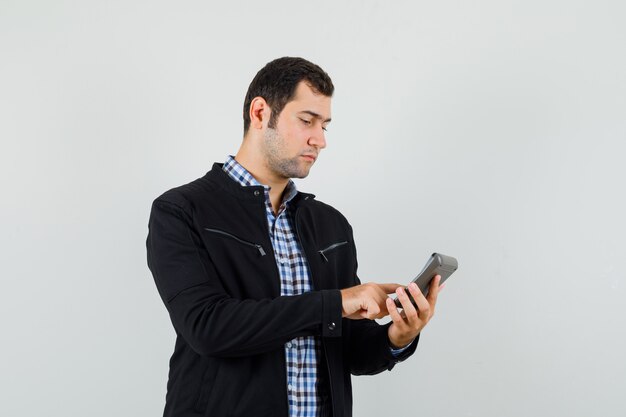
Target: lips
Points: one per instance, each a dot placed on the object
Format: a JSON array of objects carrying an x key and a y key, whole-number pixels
[{"x": 310, "y": 157}]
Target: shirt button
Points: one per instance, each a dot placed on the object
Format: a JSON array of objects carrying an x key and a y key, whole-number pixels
[
  {"x": 257, "y": 193},
  {"x": 289, "y": 345},
  {"x": 289, "y": 387},
  {"x": 282, "y": 261},
  {"x": 331, "y": 326}
]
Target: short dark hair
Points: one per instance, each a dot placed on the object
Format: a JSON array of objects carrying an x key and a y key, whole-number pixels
[{"x": 276, "y": 82}]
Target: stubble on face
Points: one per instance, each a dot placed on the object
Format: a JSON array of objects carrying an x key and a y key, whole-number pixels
[{"x": 277, "y": 158}]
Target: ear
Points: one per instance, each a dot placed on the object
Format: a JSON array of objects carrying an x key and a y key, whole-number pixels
[{"x": 259, "y": 113}]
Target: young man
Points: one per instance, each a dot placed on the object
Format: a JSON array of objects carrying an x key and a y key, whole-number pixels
[{"x": 260, "y": 280}]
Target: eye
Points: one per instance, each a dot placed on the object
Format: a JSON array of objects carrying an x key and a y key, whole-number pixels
[
  {"x": 306, "y": 122},
  {"x": 325, "y": 129}
]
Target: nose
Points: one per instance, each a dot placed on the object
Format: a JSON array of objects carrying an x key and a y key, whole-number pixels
[{"x": 318, "y": 139}]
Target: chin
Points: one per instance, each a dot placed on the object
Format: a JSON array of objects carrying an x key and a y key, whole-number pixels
[
  {"x": 299, "y": 175},
  {"x": 295, "y": 170}
]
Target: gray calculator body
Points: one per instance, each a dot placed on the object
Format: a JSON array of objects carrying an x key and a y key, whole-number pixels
[{"x": 437, "y": 264}]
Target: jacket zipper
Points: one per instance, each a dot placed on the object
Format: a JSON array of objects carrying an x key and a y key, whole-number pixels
[
  {"x": 245, "y": 242},
  {"x": 331, "y": 247}
]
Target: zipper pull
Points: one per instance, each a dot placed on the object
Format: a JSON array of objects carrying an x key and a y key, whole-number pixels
[
  {"x": 323, "y": 256},
  {"x": 261, "y": 250}
]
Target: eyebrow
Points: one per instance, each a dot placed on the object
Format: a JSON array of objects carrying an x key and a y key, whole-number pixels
[{"x": 319, "y": 116}]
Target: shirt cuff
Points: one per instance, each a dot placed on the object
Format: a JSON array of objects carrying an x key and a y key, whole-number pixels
[{"x": 397, "y": 352}]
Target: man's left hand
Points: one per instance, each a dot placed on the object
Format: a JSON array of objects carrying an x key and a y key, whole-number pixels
[{"x": 410, "y": 322}]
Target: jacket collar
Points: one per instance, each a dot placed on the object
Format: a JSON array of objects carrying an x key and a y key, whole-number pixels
[{"x": 254, "y": 192}]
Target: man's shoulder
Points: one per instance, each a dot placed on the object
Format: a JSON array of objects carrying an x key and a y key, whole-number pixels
[
  {"x": 188, "y": 194},
  {"x": 325, "y": 207},
  {"x": 319, "y": 210}
]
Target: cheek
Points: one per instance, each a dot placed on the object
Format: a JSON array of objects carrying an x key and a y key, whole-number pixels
[
  {"x": 296, "y": 137},
  {"x": 295, "y": 131}
]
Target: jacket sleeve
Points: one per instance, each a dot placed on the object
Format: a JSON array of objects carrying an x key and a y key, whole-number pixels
[
  {"x": 212, "y": 322},
  {"x": 368, "y": 344},
  {"x": 370, "y": 352}
]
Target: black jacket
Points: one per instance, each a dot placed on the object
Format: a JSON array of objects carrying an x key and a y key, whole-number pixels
[{"x": 210, "y": 253}]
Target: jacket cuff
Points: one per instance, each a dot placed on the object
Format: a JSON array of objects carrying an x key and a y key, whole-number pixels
[
  {"x": 397, "y": 357},
  {"x": 331, "y": 313}
]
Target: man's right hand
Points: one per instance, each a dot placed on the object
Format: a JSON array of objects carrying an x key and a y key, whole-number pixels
[{"x": 366, "y": 301}]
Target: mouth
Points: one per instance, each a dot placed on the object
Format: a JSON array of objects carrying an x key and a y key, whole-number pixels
[{"x": 310, "y": 158}]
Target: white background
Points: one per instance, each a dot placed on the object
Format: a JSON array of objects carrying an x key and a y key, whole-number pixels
[{"x": 493, "y": 131}]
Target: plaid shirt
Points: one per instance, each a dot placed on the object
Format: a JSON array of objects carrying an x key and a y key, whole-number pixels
[
  {"x": 301, "y": 353},
  {"x": 306, "y": 394}
]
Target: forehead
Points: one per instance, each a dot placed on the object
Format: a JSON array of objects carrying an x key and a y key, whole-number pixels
[{"x": 306, "y": 99}]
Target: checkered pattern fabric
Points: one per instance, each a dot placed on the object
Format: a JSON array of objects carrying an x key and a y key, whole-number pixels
[{"x": 301, "y": 353}]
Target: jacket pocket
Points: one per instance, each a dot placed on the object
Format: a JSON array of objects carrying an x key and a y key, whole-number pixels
[
  {"x": 238, "y": 239},
  {"x": 332, "y": 247}
]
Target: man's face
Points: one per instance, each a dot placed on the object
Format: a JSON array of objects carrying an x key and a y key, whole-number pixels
[{"x": 293, "y": 146}]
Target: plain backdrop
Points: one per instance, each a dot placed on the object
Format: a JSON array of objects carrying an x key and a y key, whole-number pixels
[{"x": 492, "y": 131}]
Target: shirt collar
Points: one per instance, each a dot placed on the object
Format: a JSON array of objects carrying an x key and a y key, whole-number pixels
[{"x": 243, "y": 177}]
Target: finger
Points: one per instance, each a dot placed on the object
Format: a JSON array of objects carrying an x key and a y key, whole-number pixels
[
  {"x": 393, "y": 312},
  {"x": 372, "y": 311},
  {"x": 421, "y": 301},
  {"x": 389, "y": 288},
  {"x": 433, "y": 292},
  {"x": 408, "y": 307},
  {"x": 382, "y": 308}
]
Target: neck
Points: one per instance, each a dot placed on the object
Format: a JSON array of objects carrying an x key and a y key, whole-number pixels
[{"x": 262, "y": 174}]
